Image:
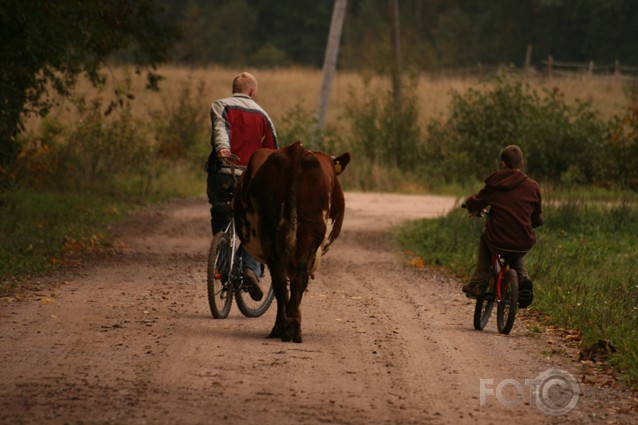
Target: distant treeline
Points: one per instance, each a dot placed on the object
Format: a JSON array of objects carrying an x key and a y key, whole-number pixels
[{"x": 436, "y": 34}]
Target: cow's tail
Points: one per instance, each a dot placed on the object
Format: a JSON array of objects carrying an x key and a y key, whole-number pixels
[{"x": 296, "y": 155}]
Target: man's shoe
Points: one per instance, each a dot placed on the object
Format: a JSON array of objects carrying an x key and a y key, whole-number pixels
[{"x": 253, "y": 284}]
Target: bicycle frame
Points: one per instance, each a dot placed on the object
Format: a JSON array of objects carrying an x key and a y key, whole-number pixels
[
  {"x": 505, "y": 297},
  {"x": 500, "y": 268},
  {"x": 233, "y": 248}
]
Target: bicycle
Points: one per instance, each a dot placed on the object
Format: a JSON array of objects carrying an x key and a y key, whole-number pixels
[
  {"x": 502, "y": 288},
  {"x": 225, "y": 274}
]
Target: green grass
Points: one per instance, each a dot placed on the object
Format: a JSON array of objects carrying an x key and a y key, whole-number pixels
[
  {"x": 582, "y": 267},
  {"x": 38, "y": 230}
]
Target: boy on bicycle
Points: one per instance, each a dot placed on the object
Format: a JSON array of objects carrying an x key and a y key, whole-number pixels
[{"x": 515, "y": 201}]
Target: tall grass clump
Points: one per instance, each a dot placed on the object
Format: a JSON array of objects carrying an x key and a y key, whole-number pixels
[{"x": 582, "y": 267}]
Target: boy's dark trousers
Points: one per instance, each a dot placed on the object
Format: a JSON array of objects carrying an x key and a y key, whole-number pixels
[{"x": 485, "y": 252}]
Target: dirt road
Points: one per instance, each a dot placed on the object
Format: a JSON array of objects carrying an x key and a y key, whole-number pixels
[{"x": 130, "y": 340}]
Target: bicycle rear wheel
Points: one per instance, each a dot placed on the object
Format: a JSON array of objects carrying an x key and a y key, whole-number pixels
[
  {"x": 506, "y": 309},
  {"x": 482, "y": 310},
  {"x": 250, "y": 307},
  {"x": 220, "y": 289}
]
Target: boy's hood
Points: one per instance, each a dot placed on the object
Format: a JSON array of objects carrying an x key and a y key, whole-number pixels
[{"x": 505, "y": 179}]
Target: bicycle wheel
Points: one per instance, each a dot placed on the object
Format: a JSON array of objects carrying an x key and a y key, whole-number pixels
[
  {"x": 483, "y": 309},
  {"x": 220, "y": 290},
  {"x": 250, "y": 307},
  {"x": 506, "y": 309}
]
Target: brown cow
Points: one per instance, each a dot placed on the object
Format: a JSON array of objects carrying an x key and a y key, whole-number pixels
[{"x": 289, "y": 208}]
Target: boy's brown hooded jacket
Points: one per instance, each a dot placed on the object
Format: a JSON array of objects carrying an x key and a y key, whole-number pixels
[{"x": 516, "y": 209}]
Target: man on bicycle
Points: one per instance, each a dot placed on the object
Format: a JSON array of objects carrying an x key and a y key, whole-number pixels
[
  {"x": 240, "y": 127},
  {"x": 515, "y": 201}
]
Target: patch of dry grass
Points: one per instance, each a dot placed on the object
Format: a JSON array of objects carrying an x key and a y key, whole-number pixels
[{"x": 283, "y": 89}]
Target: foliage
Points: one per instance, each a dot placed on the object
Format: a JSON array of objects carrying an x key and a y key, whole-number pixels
[
  {"x": 92, "y": 155},
  {"x": 384, "y": 132},
  {"x": 182, "y": 128},
  {"x": 117, "y": 154},
  {"x": 582, "y": 267},
  {"x": 298, "y": 123},
  {"x": 435, "y": 34},
  {"x": 563, "y": 143},
  {"x": 620, "y": 162},
  {"x": 47, "y": 44}
]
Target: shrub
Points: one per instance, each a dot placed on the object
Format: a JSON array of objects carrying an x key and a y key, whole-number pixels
[
  {"x": 562, "y": 142},
  {"x": 300, "y": 124},
  {"x": 94, "y": 154},
  {"x": 384, "y": 133},
  {"x": 181, "y": 129}
]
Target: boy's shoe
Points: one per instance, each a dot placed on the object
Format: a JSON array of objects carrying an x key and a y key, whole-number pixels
[
  {"x": 473, "y": 289},
  {"x": 253, "y": 284},
  {"x": 525, "y": 293}
]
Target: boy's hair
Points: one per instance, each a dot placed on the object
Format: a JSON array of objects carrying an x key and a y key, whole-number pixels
[
  {"x": 244, "y": 81},
  {"x": 512, "y": 156}
]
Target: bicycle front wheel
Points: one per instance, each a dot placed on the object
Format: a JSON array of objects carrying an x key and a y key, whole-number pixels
[
  {"x": 482, "y": 310},
  {"x": 220, "y": 289},
  {"x": 506, "y": 309},
  {"x": 250, "y": 307}
]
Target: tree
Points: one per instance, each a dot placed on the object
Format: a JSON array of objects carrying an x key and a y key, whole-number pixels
[{"x": 49, "y": 43}]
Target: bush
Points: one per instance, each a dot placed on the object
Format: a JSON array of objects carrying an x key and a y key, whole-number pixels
[
  {"x": 384, "y": 133},
  {"x": 561, "y": 142},
  {"x": 300, "y": 124},
  {"x": 90, "y": 156},
  {"x": 181, "y": 129},
  {"x": 621, "y": 156}
]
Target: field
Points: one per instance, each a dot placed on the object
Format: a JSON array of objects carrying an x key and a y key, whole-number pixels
[{"x": 280, "y": 91}]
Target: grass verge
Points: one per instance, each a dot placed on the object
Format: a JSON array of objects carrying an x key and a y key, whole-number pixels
[
  {"x": 42, "y": 231},
  {"x": 582, "y": 267}
]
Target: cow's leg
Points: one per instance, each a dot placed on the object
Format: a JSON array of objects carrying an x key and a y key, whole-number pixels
[
  {"x": 293, "y": 313},
  {"x": 279, "y": 286}
]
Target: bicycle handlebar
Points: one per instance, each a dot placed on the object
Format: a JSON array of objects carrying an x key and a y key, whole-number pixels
[{"x": 481, "y": 213}]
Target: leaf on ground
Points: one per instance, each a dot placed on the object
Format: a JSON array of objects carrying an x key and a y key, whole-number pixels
[{"x": 416, "y": 262}]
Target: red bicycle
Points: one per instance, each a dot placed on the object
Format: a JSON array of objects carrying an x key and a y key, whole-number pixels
[{"x": 502, "y": 289}]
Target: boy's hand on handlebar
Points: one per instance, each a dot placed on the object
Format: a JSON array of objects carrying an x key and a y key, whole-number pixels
[{"x": 480, "y": 213}]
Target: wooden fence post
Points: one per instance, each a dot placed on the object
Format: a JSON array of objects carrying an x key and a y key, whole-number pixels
[
  {"x": 550, "y": 65},
  {"x": 528, "y": 59}
]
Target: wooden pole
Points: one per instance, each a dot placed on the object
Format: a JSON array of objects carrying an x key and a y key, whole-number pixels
[
  {"x": 528, "y": 59},
  {"x": 330, "y": 59},
  {"x": 396, "y": 57}
]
